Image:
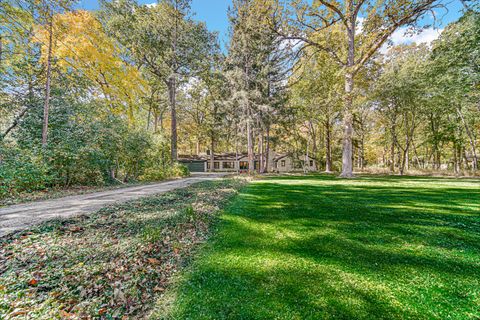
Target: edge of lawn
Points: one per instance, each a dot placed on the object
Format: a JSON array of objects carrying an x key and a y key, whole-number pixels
[
  {"x": 164, "y": 307},
  {"x": 70, "y": 229}
]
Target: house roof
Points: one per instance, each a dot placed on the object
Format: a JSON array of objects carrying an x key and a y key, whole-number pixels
[
  {"x": 218, "y": 157},
  {"x": 285, "y": 155},
  {"x": 186, "y": 158},
  {"x": 228, "y": 156}
]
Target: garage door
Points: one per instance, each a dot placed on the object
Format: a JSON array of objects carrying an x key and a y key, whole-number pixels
[{"x": 197, "y": 166}]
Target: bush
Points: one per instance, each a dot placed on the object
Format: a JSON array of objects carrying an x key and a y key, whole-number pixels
[
  {"x": 24, "y": 173},
  {"x": 157, "y": 173},
  {"x": 179, "y": 170}
]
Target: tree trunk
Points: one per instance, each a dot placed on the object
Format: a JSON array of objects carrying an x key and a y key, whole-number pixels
[
  {"x": 392, "y": 150},
  {"x": 260, "y": 153},
  {"x": 47, "y": 85},
  {"x": 347, "y": 156},
  {"x": 251, "y": 159},
  {"x": 328, "y": 147},
  {"x": 148, "y": 117},
  {"x": 456, "y": 167},
  {"x": 212, "y": 154},
  {"x": 267, "y": 150},
  {"x": 1, "y": 49},
  {"x": 471, "y": 139},
  {"x": 173, "y": 105}
]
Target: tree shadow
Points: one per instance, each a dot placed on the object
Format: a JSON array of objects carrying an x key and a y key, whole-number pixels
[{"x": 315, "y": 247}]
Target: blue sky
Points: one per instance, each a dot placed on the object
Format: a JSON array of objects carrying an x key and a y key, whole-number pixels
[{"x": 214, "y": 13}]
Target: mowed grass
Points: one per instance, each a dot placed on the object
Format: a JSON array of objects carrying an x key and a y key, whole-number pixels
[{"x": 318, "y": 247}]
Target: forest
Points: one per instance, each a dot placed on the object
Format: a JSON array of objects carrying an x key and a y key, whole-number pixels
[{"x": 117, "y": 94}]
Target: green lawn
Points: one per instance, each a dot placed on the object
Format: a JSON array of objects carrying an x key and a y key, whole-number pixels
[{"x": 319, "y": 247}]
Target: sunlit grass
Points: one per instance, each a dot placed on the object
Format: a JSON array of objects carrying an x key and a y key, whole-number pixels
[{"x": 318, "y": 247}]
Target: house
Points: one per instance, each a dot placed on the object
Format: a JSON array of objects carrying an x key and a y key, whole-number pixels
[
  {"x": 290, "y": 163},
  {"x": 233, "y": 162},
  {"x": 225, "y": 162}
]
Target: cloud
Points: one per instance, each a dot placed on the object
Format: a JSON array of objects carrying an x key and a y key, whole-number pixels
[
  {"x": 426, "y": 36},
  {"x": 402, "y": 36}
]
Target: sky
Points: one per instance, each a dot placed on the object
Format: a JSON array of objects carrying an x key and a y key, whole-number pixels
[{"x": 214, "y": 13}]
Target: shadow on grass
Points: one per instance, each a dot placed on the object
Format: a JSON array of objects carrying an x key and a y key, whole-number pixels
[{"x": 316, "y": 247}]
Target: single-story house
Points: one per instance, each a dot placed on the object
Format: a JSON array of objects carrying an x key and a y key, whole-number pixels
[
  {"x": 289, "y": 163},
  {"x": 233, "y": 162}
]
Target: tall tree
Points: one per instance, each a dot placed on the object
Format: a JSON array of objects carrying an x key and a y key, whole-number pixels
[
  {"x": 365, "y": 25},
  {"x": 256, "y": 66},
  {"x": 165, "y": 40}
]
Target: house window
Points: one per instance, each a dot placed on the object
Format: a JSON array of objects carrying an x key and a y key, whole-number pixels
[
  {"x": 229, "y": 165},
  {"x": 311, "y": 163},
  {"x": 216, "y": 165},
  {"x": 282, "y": 163},
  {"x": 243, "y": 165},
  {"x": 208, "y": 165}
]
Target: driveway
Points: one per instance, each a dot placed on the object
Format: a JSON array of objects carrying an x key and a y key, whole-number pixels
[{"x": 22, "y": 216}]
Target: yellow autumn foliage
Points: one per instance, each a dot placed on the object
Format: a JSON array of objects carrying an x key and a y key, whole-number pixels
[{"x": 81, "y": 45}]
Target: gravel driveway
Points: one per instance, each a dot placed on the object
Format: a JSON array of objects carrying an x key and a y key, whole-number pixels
[{"x": 22, "y": 216}]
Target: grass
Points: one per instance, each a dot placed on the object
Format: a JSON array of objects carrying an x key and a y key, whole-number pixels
[
  {"x": 318, "y": 247},
  {"x": 113, "y": 264}
]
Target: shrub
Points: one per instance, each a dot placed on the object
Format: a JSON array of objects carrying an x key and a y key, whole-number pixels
[
  {"x": 24, "y": 172},
  {"x": 179, "y": 170}
]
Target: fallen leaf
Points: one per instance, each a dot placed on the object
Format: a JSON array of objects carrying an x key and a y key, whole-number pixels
[
  {"x": 102, "y": 311},
  {"x": 33, "y": 282},
  {"x": 75, "y": 229},
  {"x": 65, "y": 314},
  {"x": 153, "y": 261},
  {"x": 18, "y": 312}
]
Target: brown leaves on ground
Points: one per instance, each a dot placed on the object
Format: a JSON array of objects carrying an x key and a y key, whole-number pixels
[{"x": 113, "y": 264}]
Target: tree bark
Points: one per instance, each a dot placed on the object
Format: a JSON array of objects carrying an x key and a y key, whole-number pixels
[
  {"x": 212, "y": 154},
  {"x": 173, "y": 89},
  {"x": 16, "y": 121},
  {"x": 267, "y": 150},
  {"x": 347, "y": 161},
  {"x": 148, "y": 117},
  {"x": 392, "y": 149},
  {"x": 260, "y": 153},
  {"x": 470, "y": 138},
  {"x": 173, "y": 105},
  {"x": 347, "y": 156},
  {"x": 328, "y": 147},
  {"x": 456, "y": 167},
  {"x": 47, "y": 85},
  {"x": 1, "y": 49},
  {"x": 251, "y": 159}
]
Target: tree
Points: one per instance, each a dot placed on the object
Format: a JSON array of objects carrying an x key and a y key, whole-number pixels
[
  {"x": 256, "y": 65},
  {"x": 165, "y": 40},
  {"x": 401, "y": 95},
  {"x": 316, "y": 90},
  {"x": 81, "y": 46},
  {"x": 456, "y": 69},
  {"x": 364, "y": 25}
]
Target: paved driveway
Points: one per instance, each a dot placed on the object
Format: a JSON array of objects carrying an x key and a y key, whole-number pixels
[{"x": 22, "y": 216}]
